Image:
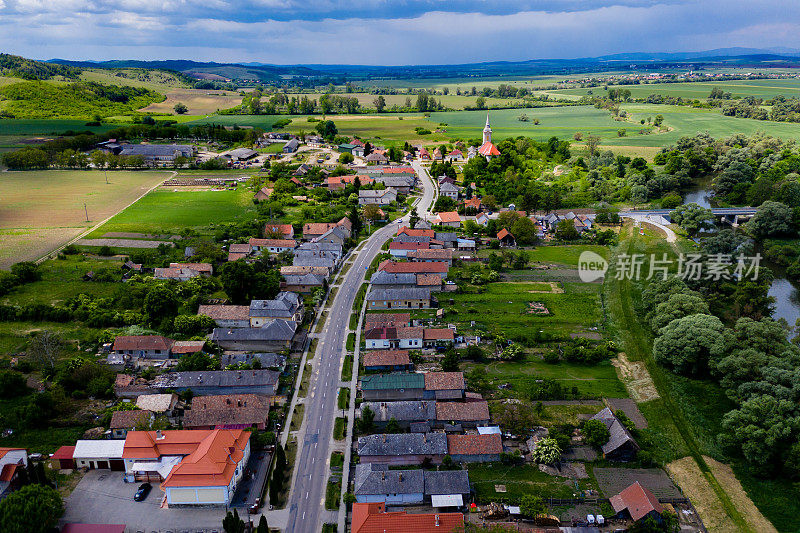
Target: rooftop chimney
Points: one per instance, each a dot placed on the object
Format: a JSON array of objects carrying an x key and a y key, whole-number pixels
[
  {"x": 437, "y": 520},
  {"x": 159, "y": 435}
]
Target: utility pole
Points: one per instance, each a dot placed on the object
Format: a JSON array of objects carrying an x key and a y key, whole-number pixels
[
  {"x": 86, "y": 211},
  {"x": 105, "y": 173}
]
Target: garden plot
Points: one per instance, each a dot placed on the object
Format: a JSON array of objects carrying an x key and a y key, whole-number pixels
[{"x": 612, "y": 481}]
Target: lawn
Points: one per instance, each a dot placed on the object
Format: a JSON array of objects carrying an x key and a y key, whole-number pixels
[
  {"x": 562, "y": 254},
  {"x": 30, "y": 127},
  {"x": 343, "y": 400},
  {"x": 332, "y": 493},
  {"x": 339, "y": 428},
  {"x": 42, "y": 210},
  {"x": 519, "y": 480},
  {"x": 199, "y": 101},
  {"x": 503, "y": 307},
  {"x": 169, "y": 211},
  {"x": 592, "y": 381},
  {"x": 61, "y": 279}
]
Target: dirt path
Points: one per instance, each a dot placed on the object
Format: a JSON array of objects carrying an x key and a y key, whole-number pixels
[
  {"x": 636, "y": 378},
  {"x": 695, "y": 486}
]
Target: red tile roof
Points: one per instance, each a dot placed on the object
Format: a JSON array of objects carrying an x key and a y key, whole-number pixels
[
  {"x": 504, "y": 233},
  {"x": 141, "y": 342},
  {"x": 637, "y": 500},
  {"x": 284, "y": 229},
  {"x": 467, "y": 411},
  {"x": 424, "y": 267},
  {"x": 438, "y": 334},
  {"x": 444, "y": 381},
  {"x": 318, "y": 228},
  {"x": 8, "y": 471},
  {"x": 278, "y": 243},
  {"x": 65, "y": 452},
  {"x": 197, "y": 267},
  {"x": 386, "y": 358},
  {"x": 409, "y": 245},
  {"x": 373, "y": 518},
  {"x": 210, "y": 455},
  {"x": 449, "y": 216},
  {"x": 387, "y": 319},
  {"x": 488, "y": 149},
  {"x": 130, "y": 419},
  {"x": 473, "y": 202},
  {"x": 474, "y": 444},
  {"x": 225, "y": 312},
  {"x": 391, "y": 332},
  {"x": 444, "y": 254},
  {"x": 416, "y": 232},
  {"x": 398, "y": 170}
]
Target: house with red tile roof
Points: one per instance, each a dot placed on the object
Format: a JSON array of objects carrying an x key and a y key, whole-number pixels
[
  {"x": 416, "y": 267},
  {"x": 142, "y": 346},
  {"x": 386, "y": 360},
  {"x": 636, "y": 502},
  {"x": 506, "y": 238},
  {"x": 392, "y": 337},
  {"x": 434, "y": 337},
  {"x": 474, "y": 203},
  {"x": 443, "y": 255},
  {"x": 373, "y": 518},
  {"x": 448, "y": 218},
  {"x": 374, "y": 320},
  {"x": 475, "y": 448},
  {"x": 444, "y": 386},
  {"x": 227, "y": 316},
  {"x": 402, "y": 249},
  {"x": 273, "y": 246},
  {"x": 285, "y": 231},
  {"x": 183, "y": 271},
  {"x": 470, "y": 413},
  {"x": 12, "y": 462},
  {"x": 198, "y": 467}
]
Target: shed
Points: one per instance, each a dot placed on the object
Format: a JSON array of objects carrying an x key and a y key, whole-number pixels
[
  {"x": 99, "y": 454},
  {"x": 62, "y": 459}
]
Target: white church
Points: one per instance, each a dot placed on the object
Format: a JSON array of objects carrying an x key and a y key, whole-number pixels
[{"x": 487, "y": 149}]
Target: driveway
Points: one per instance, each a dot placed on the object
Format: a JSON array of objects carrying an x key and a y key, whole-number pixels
[{"x": 102, "y": 496}]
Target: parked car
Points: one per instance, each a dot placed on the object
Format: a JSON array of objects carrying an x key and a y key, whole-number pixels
[
  {"x": 141, "y": 494},
  {"x": 253, "y": 509}
]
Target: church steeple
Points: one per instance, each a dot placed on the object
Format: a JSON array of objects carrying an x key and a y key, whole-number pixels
[{"x": 487, "y": 131}]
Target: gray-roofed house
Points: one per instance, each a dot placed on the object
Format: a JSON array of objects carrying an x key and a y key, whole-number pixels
[
  {"x": 268, "y": 360},
  {"x": 307, "y": 260},
  {"x": 401, "y": 280},
  {"x": 158, "y": 154},
  {"x": 449, "y": 190},
  {"x": 402, "y": 448},
  {"x": 291, "y": 146},
  {"x": 129, "y": 420},
  {"x": 395, "y": 386},
  {"x": 380, "y": 197},
  {"x": 273, "y": 335},
  {"x": 241, "y": 154},
  {"x": 286, "y": 305},
  {"x": 335, "y": 236},
  {"x": 621, "y": 445},
  {"x": 449, "y": 239},
  {"x": 376, "y": 483},
  {"x": 303, "y": 283},
  {"x": 215, "y": 382},
  {"x": 447, "y": 488},
  {"x": 415, "y": 298},
  {"x": 405, "y": 413},
  {"x": 329, "y": 250}
]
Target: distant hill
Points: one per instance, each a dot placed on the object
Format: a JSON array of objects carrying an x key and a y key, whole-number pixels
[
  {"x": 205, "y": 70},
  {"x": 29, "y": 69}
]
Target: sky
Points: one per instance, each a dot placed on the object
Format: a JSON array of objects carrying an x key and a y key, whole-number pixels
[{"x": 387, "y": 32}]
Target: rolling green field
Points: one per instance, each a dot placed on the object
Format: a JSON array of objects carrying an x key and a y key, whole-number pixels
[
  {"x": 562, "y": 254},
  {"x": 29, "y": 127},
  {"x": 166, "y": 210},
  {"x": 41, "y": 210},
  {"x": 697, "y": 90},
  {"x": 506, "y": 305}
]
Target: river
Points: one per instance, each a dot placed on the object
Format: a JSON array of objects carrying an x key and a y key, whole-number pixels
[{"x": 785, "y": 292}]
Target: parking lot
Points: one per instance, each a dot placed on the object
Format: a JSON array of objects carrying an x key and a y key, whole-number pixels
[{"x": 102, "y": 497}]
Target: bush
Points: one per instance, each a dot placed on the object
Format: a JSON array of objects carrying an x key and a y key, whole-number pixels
[
  {"x": 595, "y": 433},
  {"x": 12, "y": 384},
  {"x": 106, "y": 251}
]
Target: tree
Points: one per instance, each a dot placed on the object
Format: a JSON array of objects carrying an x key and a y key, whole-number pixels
[
  {"x": 638, "y": 194},
  {"x": 365, "y": 423},
  {"x": 677, "y": 306},
  {"x": 450, "y": 361},
  {"x": 414, "y": 217},
  {"x": 278, "y": 473},
  {"x": 565, "y": 230},
  {"x": 12, "y": 384},
  {"x": 546, "y": 452},
  {"x": 592, "y": 142},
  {"x": 345, "y": 158},
  {"x": 532, "y": 506},
  {"x": 480, "y": 103},
  {"x": 160, "y": 303},
  {"x": 355, "y": 221},
  {"x": 32, "y": 509},
  {"x": 772, "y": 219},
  {"x": 44, "y": 349},
  {"x": 658, "y": 121},
  {"x": 243, "y": 282},
  {"x": 26, "y": 272},
  {"x": 595, "y": 433},
  {"x": 380, "y": 103},
  {"x": 180, "y": 108},
  {"x": 232, "y": 523},
  {"x": 687, "y": 345},
  {"x": 372, "y": 212},
  {"x": 196, "y": 361},
  {"x": 693, "y": 218},
  {"x": 262, "y": 527}
]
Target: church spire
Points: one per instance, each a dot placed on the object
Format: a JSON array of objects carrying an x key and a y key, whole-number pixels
[{"x": 487, "y": 131}]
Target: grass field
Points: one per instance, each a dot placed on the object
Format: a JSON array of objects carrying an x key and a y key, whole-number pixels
[
  {"x": 452, "y": 101},
  {"x": 199, "y": 101},
  {"x": 165, "y": 210},
  {"x": 44, "y": 209},
  {"x": 503, "y": 307},
  {"x": 561, "y": 254},
  {"x": 591, "y": 380},
  {"x": 62, "y": 279},
  {"x": 518, "y": 480},
  {"x": 30, "y": 127},
  {"x": 698, "y": 90}
]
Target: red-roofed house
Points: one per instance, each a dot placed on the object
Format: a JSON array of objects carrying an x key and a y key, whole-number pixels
[
  {"x": 448, "y": 218},
  {"x": 142, "y": 346},
  {"x": 433, "y": 337},
  {"x": 62, "y": 459},
  {"x": 199, "y": 467},
  {"x": 416, "y": 267},
  {"x": 475, "y": 448},
  {"x": 12, "y": 462},
  {"x": 273, "y": 246},
  {"x": 285, "y": 231},
  {"x": 474, "y": 203},
  {"x": 638, "y": 502},
  {"x": 374, "y": 320},
  {"x": 506, "y": 238},
  {"x": 373, "y": 518},
  {"x": 401, "y": 249},
  {"x": 386, "y": 360},
  {"x": 405, "y": 230},
  {"x": 471, "y": 413},
  {"x": 424, "y": 154}
]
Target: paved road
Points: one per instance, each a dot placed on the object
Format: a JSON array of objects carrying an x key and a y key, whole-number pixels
[{"x": 307, "y": 504}]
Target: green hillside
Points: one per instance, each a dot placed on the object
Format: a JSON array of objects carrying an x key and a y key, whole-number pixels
[
  {"x": 36, "y": 99},
  {"x": 28, "y": 69}
]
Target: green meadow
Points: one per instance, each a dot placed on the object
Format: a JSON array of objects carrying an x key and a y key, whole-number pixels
[
  {"x": 700, "y": 90},
  {"x": 165, "y": 210}
]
